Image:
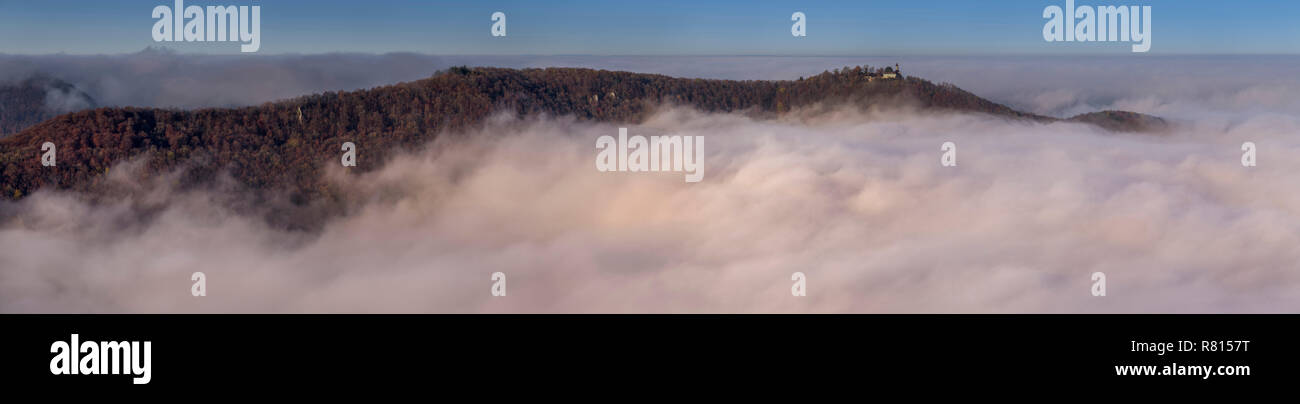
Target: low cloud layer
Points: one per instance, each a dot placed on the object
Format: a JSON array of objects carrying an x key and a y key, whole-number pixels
[
  {"x": 859, "y": 203},
  {"x": 856, "y": 201}
]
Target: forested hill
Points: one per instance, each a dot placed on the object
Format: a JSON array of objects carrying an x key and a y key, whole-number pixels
[{"x": 282, "y": 145}]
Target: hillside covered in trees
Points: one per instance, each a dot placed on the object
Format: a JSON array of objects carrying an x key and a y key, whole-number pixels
[{"x": 283, "y": 145}]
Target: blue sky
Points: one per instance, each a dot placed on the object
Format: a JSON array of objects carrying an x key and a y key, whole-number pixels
[{"x": 864, "y": 27}]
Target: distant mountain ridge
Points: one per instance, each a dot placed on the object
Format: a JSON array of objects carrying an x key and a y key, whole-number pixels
[
  {"x": 1123, "y": 121},
  {"x": 36, "y": 99},
  {"x": 282, "y": 145}
]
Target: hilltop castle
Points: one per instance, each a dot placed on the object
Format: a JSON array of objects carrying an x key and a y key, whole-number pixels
[{"x": 889, "y": 73}]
